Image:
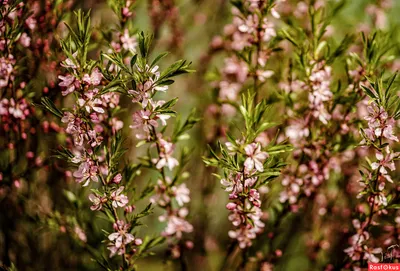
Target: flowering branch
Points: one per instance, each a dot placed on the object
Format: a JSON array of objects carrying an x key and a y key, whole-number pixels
[{"x": 383, "y": 109}]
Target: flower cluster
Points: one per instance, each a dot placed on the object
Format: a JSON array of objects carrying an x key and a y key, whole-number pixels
[
  {"x": 153, "y": 115},
  {"x": 251, "y": 29},
  {"x": 309, "y": 174},
  {"x": 301, "y": 126},
  {"x": 246, "y": 163},
  {"x": 376, "y": 181},
  {"x": 95, "y": 131},
  {"x": 174, "y": 216},
  {"x": 120, "y": 238},
  {"x": 250, "y": 41},
  {"x": 245, "y": 203},
  {"x": 91, "y": 124}
]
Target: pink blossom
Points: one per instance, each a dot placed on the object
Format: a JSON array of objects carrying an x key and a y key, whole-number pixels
[
  {"x": 18, "y": 109},
  {"x": 176, "y": 226},
  {"x": 70, "y": 63},
  {"x": 166, "y": 150},
  {"x": 292, "y": 189},
  {"x": 297, "y": 130},
  {"x": 244, "y": 236},
  {"x": 128, "y": 42},
  {"x": 6, "y": 70},
  {"x": 181, "y": 194},
  {"x": 94, "y": 79},
  {"x": 86, "y": 172},
  {"x": 119, "y": 200},
  {"x": 247, "y": 232},
  {"x": 254, "y": 197},
  {"x": 143, "y": 123},
  {"x": 110, "y": 99},
  {"x": 120, "y": 238},
  {"x": 94, "y": 139},
  {"x": 255, "y": 157},
  {"x": 69, "y": 82},
  {"x": 320, "y": 78},
  {"x": 25, "y": 40},
  {"x": 249, "y": 25},
  {"x": 74, "y": 127},
  {"x": 379, "y": 123},
  {"x": 142, "y": 94},
  {"x": 229, "y": 91},
  {"x": 98, "y": 201},
  {"x": 31, "y": 22},
  {"x": 4, "y": 107},
  {"x": 233, "y": 184},
  {"x": 116, "y": 124},
  {"x": 237, "y": 68},
  {"x": 90, "y": 103},
  {"x": 263, "y": 75},
  {"x": 268, "y": 30},
  {"x": 385, "y": 161},
  {"x": 80, "y": 234},
  {"x": 161, "y": 196}
]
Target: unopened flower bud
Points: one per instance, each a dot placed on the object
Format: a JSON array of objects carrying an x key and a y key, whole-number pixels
[
  {"x": 117, "y": 179},
  {"x": 231, "y": 206},
  {"x": 189, "y": 244},
  {"x": 129, "y": 209}
]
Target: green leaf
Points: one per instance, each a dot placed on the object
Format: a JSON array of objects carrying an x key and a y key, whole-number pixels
[
  {"x": 70, "y": 196},
  {"x": 133, "y": 60},
  {"x": 144, "y": 43},
  {"x": 50, "y": 106},
  {"x": 158, "y": 58}
]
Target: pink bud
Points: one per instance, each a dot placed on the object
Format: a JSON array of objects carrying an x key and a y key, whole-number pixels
[
  {"x": 129, "y": 209},
  {"x": 278, "y": 253},
  {"x": 117, "y": 179},
  {"x": 126, "y": 12},
  {"x": 189, "y": 244},
  {"x": 217, "y": 42},
  {"x": 30, "y": 155},
  {"x": 54, "y": 126},
  {"x": 38, "y": 161},
  {"x": 294, "y": 208},
  {"x": 231, "y": 206},
  {"x": 45, "y": 126},
  {"x": 138, "y": 242}
]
